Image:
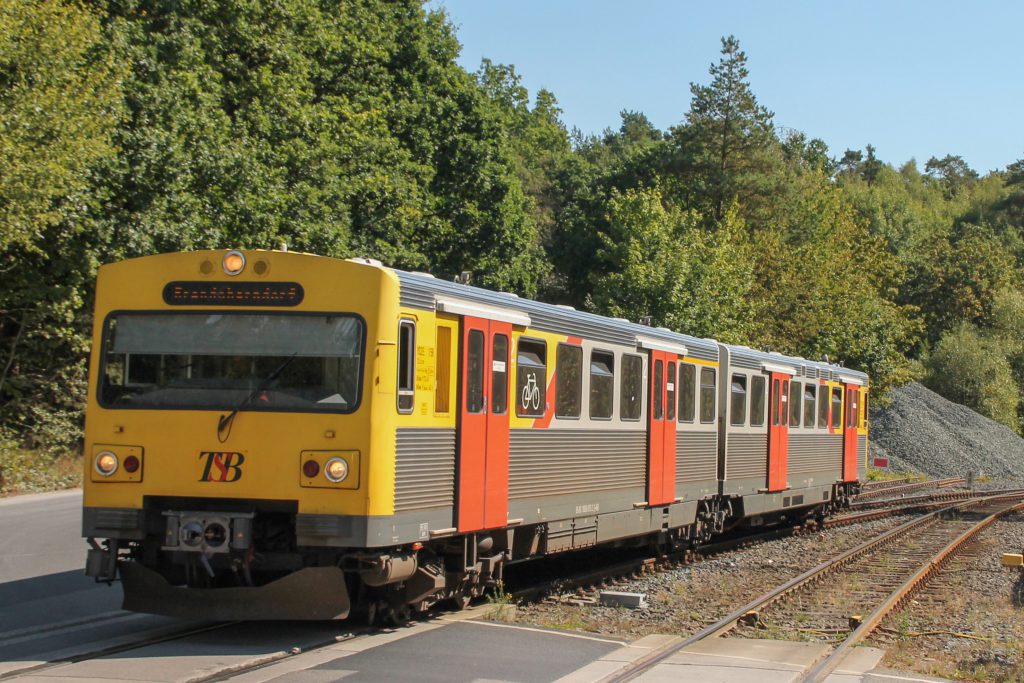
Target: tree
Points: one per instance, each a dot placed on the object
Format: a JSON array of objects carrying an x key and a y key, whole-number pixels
[
  {"x": 968, "y": 368},
  {"x": 59, "y": 100},
  {"x": 661, "y": 263},
  {"x": 952, "y": 171},
  {"x": 725, "y": 148}
]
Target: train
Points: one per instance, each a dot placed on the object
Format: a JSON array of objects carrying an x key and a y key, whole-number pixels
[{"x": 279, "y": 435}]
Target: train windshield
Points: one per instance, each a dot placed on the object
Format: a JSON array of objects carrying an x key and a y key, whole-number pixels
[{"x": 274, "y": 362}]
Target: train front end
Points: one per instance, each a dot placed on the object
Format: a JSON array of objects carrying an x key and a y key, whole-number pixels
[{"x": 229, "y": 455}]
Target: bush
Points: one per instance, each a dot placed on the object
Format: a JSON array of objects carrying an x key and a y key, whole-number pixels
[
  {"x": 969, "y": 368},
  {"x": 28, "y": 471}
]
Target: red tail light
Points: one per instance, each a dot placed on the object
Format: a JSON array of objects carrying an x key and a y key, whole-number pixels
[
  {"x": 131, "y": 464},
  {"x": 311, "y": 468}
]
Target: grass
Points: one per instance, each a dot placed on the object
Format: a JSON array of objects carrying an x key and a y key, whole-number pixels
[
  {"x": 502, "y": 607},
  {"x": 28, "y": 471}
]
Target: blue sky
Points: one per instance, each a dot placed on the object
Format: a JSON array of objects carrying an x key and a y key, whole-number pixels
[{"x": 915, "y": 79}]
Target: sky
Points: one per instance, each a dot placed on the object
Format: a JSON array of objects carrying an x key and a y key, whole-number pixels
[{"x": 916, "y": 79}]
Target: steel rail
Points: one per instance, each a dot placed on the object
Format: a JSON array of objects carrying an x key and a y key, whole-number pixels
[
  {"x": 728, "y": 622},
  {"x": 822, "y": 670},
  {"x": 878, "y": 492}
]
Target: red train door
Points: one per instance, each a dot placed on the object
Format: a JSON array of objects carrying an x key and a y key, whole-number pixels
[
  {"x": 661, "y": 430},
  {"x": 850, "y": 433},
  {"x": 778, "y": 432},
  {"x": 482, "y": 472}
]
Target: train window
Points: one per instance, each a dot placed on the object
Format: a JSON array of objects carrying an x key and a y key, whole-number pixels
[
  {"x": 631, "y": 387},
  {"x": 739, "y": 400},
  {"x": 499, "y": 375},
  {"x": 658, "y": 387},
  {"x": 864, "y": 410},
  {"x": 851, "y": 410},
  {"x": 569, "y": 381},
  {"x": 809, "y": 392},
  {"x": 442, "y": 369},
  {"x": 220, "y": 360},
  {"x": 784, "y": 399},
  {"x": 531, "y": 378},
  {"x": 670, "y": 393},
  {"x": 406, "y": 365},
  {"x": 775, "y": 402},
  {"x": 602, "y": 384},
  {"x": 757, "y": 401},
  {"x": 794, "y": 404},
  {"x": 475, "y": 372},
  {"x": 687, "y": 392},
  {"x": 707, "y": 395},
  {"x": 837, "y": 407},
  {"x": 823, "y": 407}
]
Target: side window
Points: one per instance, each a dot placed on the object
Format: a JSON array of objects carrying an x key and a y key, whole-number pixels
[
  {"x": 531, "y": 378},
  {"x": 707, "y": 395},
  {"x": 757, "y": 393},
  {"x": 631, "y": 388},
  {"x": 659, "y": 386},
  {"x": 864, "y": 409},
  {"x": 851, "y": 410},
  {"x": 499, "y": 375},
  {"x": 823, "y": 407},
  {"x": 794, "y": 403},
  {"x": 784, "y": 398},
  {"x": 406, "y": 365},
  {"x": 670, "y": 393},
  {"x": 442, "y": 369},
  {"x": 687, "y": 392},
  {"x": 475, "y": 372},
  {"x": 739, "y": 400},
  {"x": 602, "y": 384},
  {"x": 569, "y": 382},
  {"x": 775, "y": 402},
  {"x": 837, "y": 407},
  {"x": 809, "y": 392}
]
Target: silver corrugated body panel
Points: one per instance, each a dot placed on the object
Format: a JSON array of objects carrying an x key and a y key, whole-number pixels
[
  {"x": 544, "y": 462},
  {"x": 862, "y": 457},
  {"x": 746, "y": 456},
  {"x": 424, "y": 468},
  {"x": 419, "y": 291},
  {"x": 815, "y": 453},
  {"x": 696, "y": 456}
]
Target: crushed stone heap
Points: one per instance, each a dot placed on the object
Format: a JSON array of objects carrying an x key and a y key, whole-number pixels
[{"x": 923, "y": 432}]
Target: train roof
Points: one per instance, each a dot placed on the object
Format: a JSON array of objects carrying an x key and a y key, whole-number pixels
[
  {"x": 745, "y": 357},
  {"x": 421, "y": 290}
]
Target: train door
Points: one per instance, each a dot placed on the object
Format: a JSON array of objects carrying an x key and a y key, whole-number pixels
[
  {"x": 482, "y": 472},
  {"x": 661, "y": 429},
  {"x": 850, "y": 431},
  {"x": 778, "y": 432}
]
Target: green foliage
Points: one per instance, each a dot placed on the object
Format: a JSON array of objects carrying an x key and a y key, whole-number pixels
[
  {"x": 970, "y": 368},
  {"x": 661, "y": 263},
  {"x": 59, "y": 100},
  {"x": 26, "y": 471}
]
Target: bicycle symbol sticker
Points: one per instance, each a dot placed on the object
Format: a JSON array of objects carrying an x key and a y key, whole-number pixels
[{"x": 531, "y": 394}]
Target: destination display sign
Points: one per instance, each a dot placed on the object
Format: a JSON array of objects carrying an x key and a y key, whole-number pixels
[{"x": 233, "y": 293}]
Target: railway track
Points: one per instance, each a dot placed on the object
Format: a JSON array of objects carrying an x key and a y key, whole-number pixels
[
  {"x": 880, "y": 574},
  {"x": 880, "y": 489}
]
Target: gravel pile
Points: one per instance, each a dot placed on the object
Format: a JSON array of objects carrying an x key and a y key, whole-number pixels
[{"x": 923, "y": 432}]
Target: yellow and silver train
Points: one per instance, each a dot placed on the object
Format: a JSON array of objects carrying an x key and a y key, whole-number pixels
[{"x": 275, "y": 435}]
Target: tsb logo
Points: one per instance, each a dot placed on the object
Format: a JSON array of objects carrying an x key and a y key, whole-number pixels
[{"x": 221, "y": 466}]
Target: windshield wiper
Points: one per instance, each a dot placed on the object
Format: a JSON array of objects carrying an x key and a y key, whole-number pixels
[{"x": 225, "y": 421}]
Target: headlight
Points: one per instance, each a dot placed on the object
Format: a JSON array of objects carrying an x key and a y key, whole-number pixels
[
  {"x": 234, "y": 262},
  {"x": 106, "y": 463},
  {"x": 336, "y": 470}
]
